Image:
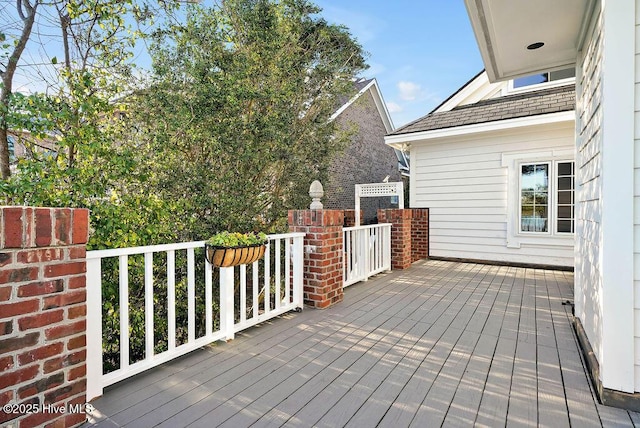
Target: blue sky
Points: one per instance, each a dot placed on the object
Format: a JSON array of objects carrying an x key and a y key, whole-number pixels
[{"x": 420, "y": 51}]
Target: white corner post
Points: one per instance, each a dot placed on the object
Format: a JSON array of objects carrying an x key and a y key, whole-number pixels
[{"x": 617, "y": 204}]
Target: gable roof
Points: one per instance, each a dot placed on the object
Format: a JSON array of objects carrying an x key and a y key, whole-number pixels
[
  {"x": 544, "y": 101},
  {"x": 463, "y": 91},
  {"x": 362, "y": 86}
]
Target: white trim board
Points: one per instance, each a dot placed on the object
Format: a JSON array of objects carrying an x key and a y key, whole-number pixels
[{"x": 398, "y": 141}]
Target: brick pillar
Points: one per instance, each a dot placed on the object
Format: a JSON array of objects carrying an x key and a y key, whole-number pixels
[
  {"x": 400, "y": 220},
  {"x": 323, "y": 250},
  {"x": 42, "y": 315},
  {"x": 419, "y": 233},
  {"x": 350, "y": 217}
]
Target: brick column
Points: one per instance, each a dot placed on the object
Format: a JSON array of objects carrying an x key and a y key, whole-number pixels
[
  {"x": 400, "y": 220},
  {"x": 42, "y": 314},
  {"x": 323, "y": 250},
  {"x": 419, "y": 233},
  {"x": 350, "y": 217}
]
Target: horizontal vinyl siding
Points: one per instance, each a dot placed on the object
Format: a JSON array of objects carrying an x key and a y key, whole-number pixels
[{"x": 464, "y": 185}]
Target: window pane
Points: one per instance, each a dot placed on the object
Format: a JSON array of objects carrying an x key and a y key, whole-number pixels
[
  {"x": 541, "y": 199},
  {"x": 562, "y": 74},
  {"x": 565, "y": 169},
  {"x": 565, "y": 183},
  {"x": 565, "y": 226},
  {"x": 530, "y": 80},
  {"x": 564, "y": 212},
  {"x": 534, "y": 198},
  {"x": 565, "y": 197},
  {"x": 527, "y": 197}
]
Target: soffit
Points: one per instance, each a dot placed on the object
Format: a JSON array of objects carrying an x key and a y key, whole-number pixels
[{"x": 504, "y": 29}]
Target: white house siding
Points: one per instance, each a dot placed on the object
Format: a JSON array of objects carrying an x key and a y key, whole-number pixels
[
  {"x": 636, "y": 257},
  {"x": 464, "y": 184},
  {"x": 588, "y": 278},
  {"x": 605, "y": 162}
]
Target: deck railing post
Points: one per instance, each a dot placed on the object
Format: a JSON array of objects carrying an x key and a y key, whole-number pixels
[
  {"x": 94, "y": 329},
  {"x": 365, "y": 242},
  {"x": 226, "y": 303},
  {"x": 298, "y": 269}
]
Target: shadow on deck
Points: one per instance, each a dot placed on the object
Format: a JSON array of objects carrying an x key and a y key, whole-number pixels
[{"x": 441, "y": 343}]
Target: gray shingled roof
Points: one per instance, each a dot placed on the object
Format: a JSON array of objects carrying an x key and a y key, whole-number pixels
[{"x": 533, "y": 103}]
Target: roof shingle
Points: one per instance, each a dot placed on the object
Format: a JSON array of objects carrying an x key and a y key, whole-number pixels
[{"x": 544, "y": 101}]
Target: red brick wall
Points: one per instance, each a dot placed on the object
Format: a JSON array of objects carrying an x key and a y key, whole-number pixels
[
  {"x": 322, "y": 255},
  {"x": 409, "y": 235},
  {"x": 366, "y": 159},
  {"x": 400, "y": 220},
  {"x": 350, "y": 217},
  {"x": 419, "y": 234},
  {"x": 42, "y": 314}
]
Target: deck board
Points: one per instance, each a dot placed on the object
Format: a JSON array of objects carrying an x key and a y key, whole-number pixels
[{"x": 440, "y": 344}]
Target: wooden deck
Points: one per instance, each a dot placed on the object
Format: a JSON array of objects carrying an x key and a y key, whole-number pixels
[{"x": 440, "y": 344}]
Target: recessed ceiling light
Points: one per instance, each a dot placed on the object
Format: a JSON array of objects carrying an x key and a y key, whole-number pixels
[{"x": 536, "y": 45}]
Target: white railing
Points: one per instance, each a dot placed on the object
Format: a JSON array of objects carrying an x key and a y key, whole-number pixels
[
  {"x": 367, "y": 251},
  {"x": 265, "y": 289}
]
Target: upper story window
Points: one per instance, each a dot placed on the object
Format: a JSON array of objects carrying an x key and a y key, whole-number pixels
[{"x": 538, "y": 79}]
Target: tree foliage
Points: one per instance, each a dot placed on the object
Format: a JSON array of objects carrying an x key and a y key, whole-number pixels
[
  {"x": 231, "y": 126},
  {"x": 237, "y": 112},
  {"x": 75, "y": 152}
]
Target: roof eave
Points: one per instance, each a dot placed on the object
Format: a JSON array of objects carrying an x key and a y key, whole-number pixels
[
  {"x": 381, "y": 106},
  {"x": 504, "y": 50},
  {"x": 400, "y": 141}
]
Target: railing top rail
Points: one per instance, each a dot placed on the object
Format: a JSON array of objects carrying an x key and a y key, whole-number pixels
[
  {"x": 128, "y": 251},
  {"x": 367, "y": 226},
  {"x": 287, "y": 235}
]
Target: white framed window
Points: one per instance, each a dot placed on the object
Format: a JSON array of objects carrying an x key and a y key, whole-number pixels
[
  {"x": 542, "y": 80},
  {"x": 547, "y": 197},
  {"x": 566, "y": 197},
  {"x": 540, "y": 198},
  {"x": 534, "y": 198}
]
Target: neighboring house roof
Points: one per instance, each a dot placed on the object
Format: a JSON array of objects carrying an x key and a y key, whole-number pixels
[
  {"x": 362, "y": 86},
  {"x": 544, "y": 101}
]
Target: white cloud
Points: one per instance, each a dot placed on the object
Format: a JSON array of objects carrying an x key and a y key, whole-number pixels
[
  {"x": 394, "y": 107},
  {"x": 409, "y": 91}
]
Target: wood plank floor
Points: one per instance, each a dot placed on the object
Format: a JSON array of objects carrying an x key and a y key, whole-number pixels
[{"x": 439, "y": 344}]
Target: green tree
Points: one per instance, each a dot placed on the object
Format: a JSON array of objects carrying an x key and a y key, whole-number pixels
[
  {"x": 236, "y": 117},
  {"x": 72, "y": 129}
]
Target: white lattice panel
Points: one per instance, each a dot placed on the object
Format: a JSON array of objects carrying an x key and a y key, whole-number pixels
[{"x": 379, "y": 189}]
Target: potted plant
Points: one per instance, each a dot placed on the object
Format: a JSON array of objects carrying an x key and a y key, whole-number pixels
[{"x": 226, "y": 249}]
